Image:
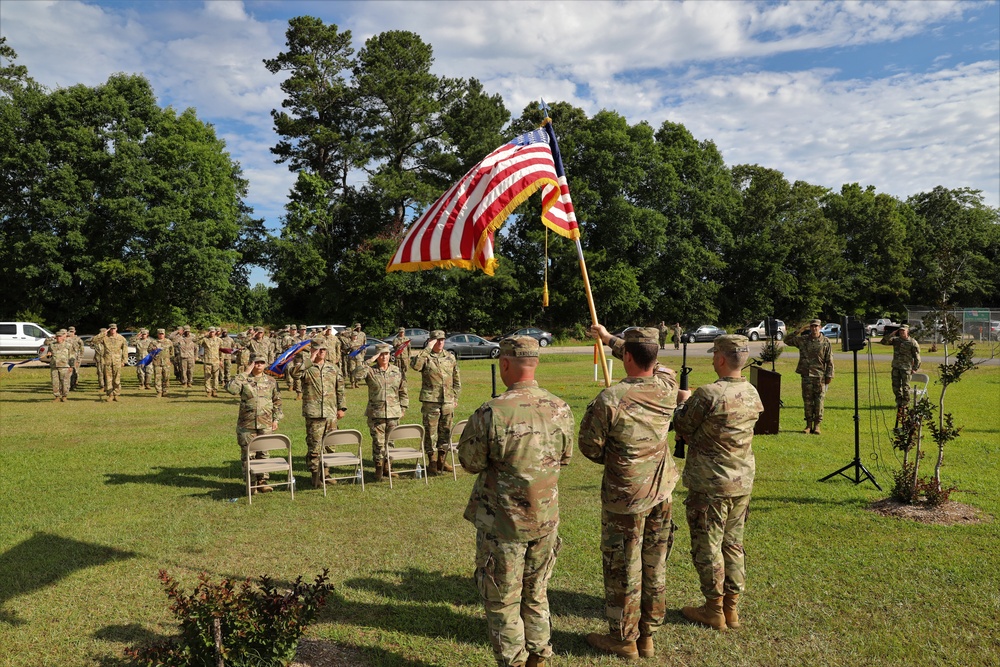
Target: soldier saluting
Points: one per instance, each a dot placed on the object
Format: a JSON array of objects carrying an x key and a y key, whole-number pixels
[{"x": 816, "y": 368}]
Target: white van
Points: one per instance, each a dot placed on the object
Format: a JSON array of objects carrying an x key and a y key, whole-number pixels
[{"x": 22, "y": 338}]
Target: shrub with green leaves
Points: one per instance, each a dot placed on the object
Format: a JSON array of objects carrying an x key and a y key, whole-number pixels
[{"x": 235, "y": 623}]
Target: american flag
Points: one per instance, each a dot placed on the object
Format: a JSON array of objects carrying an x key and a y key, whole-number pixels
[{"x": 457, "y": 229}]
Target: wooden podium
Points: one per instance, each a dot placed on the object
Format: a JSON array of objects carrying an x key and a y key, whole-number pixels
[{"x": 768, "y": 384}]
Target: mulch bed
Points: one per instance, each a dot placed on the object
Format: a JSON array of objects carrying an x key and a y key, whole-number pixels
[{"x": 948, "y": 513}]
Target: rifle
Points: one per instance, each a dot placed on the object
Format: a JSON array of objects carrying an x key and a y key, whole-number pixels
[{"x": 685, "y": 372}]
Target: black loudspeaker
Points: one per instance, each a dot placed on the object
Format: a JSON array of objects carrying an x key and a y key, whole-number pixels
[
  {"x": 770, "y": 327},
  {"x": 852, "y": 334}
]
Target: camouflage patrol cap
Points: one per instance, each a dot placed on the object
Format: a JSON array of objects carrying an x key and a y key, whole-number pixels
[
  {"x": 383, "y": 348},
  {"x": 402, "y": 330},
  {"x": 161, "y": 331},
  {"x": 904, "y": 327},
  {"x": 302, "y": 327},
  {"x": 61, "y": 332},
  {"x": 259, "y": 358},
  {"x": 112, "y": 326},
  {"x": 649, "y": 335},
  {"x": 143, "y": 331},
  {"x": 730, "y": 343},
  {"x": 357, "y": 325},
  {"x": 212, "y": 330},
  {"x": 187, "y": 327},
  {"x": 815, "y": 323},
  {"x": 519, "y": 346},
  {"x": 72, "y": 329},
  {"x": 319, "y": 344},
  {"x": 258, "y": 329},
  {"x": 437, "y": 334}
]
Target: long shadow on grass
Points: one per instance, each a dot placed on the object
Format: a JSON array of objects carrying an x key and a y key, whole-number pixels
[
  {"x": 194, "y": 478},
  {"x": 422, "y": 606},
  {"x": 44, "y": 559}
]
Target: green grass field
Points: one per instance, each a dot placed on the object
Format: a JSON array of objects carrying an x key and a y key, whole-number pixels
[{"x": 96, "y": 498}]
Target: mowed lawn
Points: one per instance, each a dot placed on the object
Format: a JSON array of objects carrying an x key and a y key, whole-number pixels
[{"x": 95, "y": 498}]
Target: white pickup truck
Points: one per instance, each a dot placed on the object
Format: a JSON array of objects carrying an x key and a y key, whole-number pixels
[{"x": 877, "y": 328}]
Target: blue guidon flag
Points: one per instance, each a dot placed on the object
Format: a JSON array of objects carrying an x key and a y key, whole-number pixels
[{"x": 278, "y": 367}]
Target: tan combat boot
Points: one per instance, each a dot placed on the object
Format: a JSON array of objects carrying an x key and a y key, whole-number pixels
[
  {"x": 709, "y": 614},
  {"x": 379, "y": 473},
  {"x": 535, "y": 661},
  {"x": 443, "y": 462},
  {"x": 816, "y": 430},
  {"x": 608, "y": 644},
  {"x": 432, "y": 466},
  {"x": 645, "y": 646},
  {"x": 729, "y": 610},
  {"x": 317, "y": 481},
  {"x": 808, "y": 428}
]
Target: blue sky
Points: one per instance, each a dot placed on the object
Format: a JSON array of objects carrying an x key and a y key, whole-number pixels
[{"x": 904, "y": 96}]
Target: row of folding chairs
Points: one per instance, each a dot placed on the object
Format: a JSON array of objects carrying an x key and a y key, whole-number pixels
[{"x": 341, "y": 451}]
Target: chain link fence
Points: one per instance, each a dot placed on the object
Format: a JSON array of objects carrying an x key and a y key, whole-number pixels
[{"x": 979, "y": 324}]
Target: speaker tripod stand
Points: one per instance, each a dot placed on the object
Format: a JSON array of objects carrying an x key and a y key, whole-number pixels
[{"x": 860, "y": 471}]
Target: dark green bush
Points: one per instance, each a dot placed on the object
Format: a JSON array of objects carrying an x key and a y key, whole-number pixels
[{"x": 238, "y": 624}]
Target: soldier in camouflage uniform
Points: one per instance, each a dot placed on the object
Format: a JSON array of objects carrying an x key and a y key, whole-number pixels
[
  {"x": 95, "y": 343},
  {"x": 401, "y": 350},
  {"x": 288, "y": 339},
  {"x": 717, "y": 423},
  {"x": 905, "y": 360},
  {"x": 188, "y": 346},
  {"x": 161, "y": 363},
  {"x": 387, "y": 403},
  {"x": 260, "y": 410},
  {"x": 258, "y": 345},
  {"x": 664, "y": 329},
  {"x": 677, "y": 335},
  {"x": 625, "y": 430},
  {"x": 356, "y": 363},
  {"x": 441, "y": 384},
  {"x": 226, "y": 346},
  {"x": 141, "y": 342},
  {"x": 76, "y": 358},
  {"x": 211, "y": 360},
  {"x": 175, "y": 358},
  {"x": 115, "y": 353},
  {"x": 295, "y": 368},
  {"x": 343, "y": 349},
  {"x": 816, "y": 368},
  {"x": 323, "y": 403},
  {"x": 517, "y": 444},
  {"x": 59, "y": 355}
]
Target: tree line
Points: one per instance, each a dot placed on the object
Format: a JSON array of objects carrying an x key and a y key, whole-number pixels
[{"x": 112, "y": 204}]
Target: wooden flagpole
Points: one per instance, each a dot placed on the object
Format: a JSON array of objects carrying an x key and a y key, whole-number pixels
[{"x": 598, "y": 345}]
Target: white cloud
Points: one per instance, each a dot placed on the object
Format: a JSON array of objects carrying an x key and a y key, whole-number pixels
[{"x": 699, "y": 63}]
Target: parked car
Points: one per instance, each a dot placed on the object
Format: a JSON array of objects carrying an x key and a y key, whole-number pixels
[
  {"x": 831, "y": 330},
  {"x": 877, "y": 328},
  {"x": 471, "y": 346},
  {"x": 757, "y": 329},
  {"x": 704, "y": 333},
  {"x": 21, "y": 337},
  {"x": 418, "y": 338},
  {"x": 544, "y": 338},
  {"x": 995, "y": 329},
  {"x": 315, "y": 328}
]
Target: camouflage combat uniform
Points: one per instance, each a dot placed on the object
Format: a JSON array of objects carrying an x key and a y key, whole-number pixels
[
  {"x": 717, "y": 423},
  {"x": 260, "y": 408},
  {"x": 387, "y": 400},
  {"x": 258, "y": 347},
  {"x": 76, "y": 358},
  {"x": 816, "y": 368},
  {"x": 95, "y": 343},
  {"x": 143, "y": 374},
  {"x": 322, "y": 396},
  {"x": 161, "y": 364},
  {"x": 211, "y": 362},
  {"x": 175, "y": 353},
  {"x": 663, "y": 328},
  {"x": 677, "y": 336},
  {"x": 440, "y": 386},
  {"x": 401, "y": 352},
  {"x": 356, "y": 363},
  {"x": 517, "y": 443},
  {"x": 115, "y": 349},
  {"x": 625, "y": 430},
  {"x": 227, "y": 342},
  {"x": 905, "y": 360},
  {"x": 188, "y": 354},
  {"x": 61, "y": 369},
  {"x": 343, "y": 349}
]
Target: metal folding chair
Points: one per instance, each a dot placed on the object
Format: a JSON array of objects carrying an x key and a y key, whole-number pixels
[
  {"x": 456, "y": 435},
  {"x": 255, "y": 466},
  {"x": 407, "y": 432},
  {"x": 349, "y": 457},
  {"x": 918, "y": 392}
]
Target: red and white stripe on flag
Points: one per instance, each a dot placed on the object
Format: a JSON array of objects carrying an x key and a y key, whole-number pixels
[{"x": 456, "y": 231}]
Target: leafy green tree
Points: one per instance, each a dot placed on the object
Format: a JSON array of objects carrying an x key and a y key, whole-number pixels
[{"x": 877, "y": 251}]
